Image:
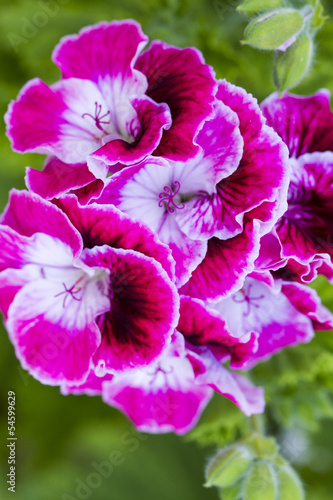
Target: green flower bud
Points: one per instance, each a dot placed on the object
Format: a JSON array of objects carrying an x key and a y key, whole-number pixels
[
  {"x": 273, "y": 29},
  {"x": 228, "y": 466},
  {"x": 252, "y": 7},
  {"x": 291, "y": 66},
  {"x": 233, "y": 492},
  {"x": 261, "y": 447},
  {"x": 290, "y": 487},
  {"x": 261, "y": 482}
]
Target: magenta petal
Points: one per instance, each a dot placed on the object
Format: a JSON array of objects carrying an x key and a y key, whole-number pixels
[
  {"x": 28, "y": 213},
  {"x": 105, "y": 225},
  {"x": 225, "y": 266},
  {"x": 307, "y": 302},
  {"x": 261, "y": 307},
  {"x": 34, "y": 120},
  {"x": 166, "y": 410},
  {"x": 180, "y": 78},
  {"x": 11, "y": 282},
  {"x": 53, "y": 347},
  {"x": 144, "y": 308},
  {"x": 253, "y": 184},
  {"x": 58, "y": 177},
  {"x": 103, "y": 50},
  {"x": 93, "y": 386},
  {"x": 221, "y": 141},
  {"x": 202, "y": 326},
  {"x": 13, "y": 248},
  {"x": 304, "y": 123},
  {"x": 153, "y": 119},
  {"x": 306, "y": 229},
  {"x": 163, "y": 397},
  {"x": 238, "y": 389}
]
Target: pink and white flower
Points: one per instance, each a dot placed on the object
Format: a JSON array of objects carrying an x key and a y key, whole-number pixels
[
  {"x": 112, "y": 105},
  {"x": 83, "y": 287}
]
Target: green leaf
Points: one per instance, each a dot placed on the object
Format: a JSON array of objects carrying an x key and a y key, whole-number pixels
[
  {"x": 272, "y": 30},
  {"x": 318, "y": 18},
  {"x": 291, "y": 66},
  {"x": 252, "y": 7}
]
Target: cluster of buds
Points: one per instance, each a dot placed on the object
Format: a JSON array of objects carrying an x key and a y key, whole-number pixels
[
  {"x": 287, "y": 30},
  {"x": 253, "y": 469}
]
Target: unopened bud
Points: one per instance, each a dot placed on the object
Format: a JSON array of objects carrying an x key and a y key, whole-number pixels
[
  {"x": 228, "y": 466},
  {"x": 273, "y": 29},
  {"x": 291, "y": 66},
  {"x": 261, "y": 482},
  {"x": 290, "y": 487},
  {"x": 233, "y": 492},
  {"x": 252, "y": 7},
  {"x": 261, "y": 447}
]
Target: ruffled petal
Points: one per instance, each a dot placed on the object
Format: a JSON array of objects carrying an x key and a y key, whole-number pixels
[
  {"x": 180, "y": 78},
  {"x": 58, "y": 177},
  {"x": 306, "y": 229},
  {"x": 225, "y": 265},
  {"x": 238, "y": 389},
  {"x": 203, "y": 326},
  {"x": 53, "y": 338},
  {"x": 253, "y": 184},
  {"x": 161, "y": 398},
  {"x": 27, "y": 213},
  {"x": 144, "y": 309},
  {"x": 104, "y": 50},
  {"x": 304, "y": 123},
  {"x": 105, "y": 225},
  {"x": 152, "y": 120},
  {"x": 264, "y": 309}
]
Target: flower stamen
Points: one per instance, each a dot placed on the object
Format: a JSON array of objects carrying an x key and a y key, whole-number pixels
[
  {"x": 98, "y": 118},
  {"x": 168, "y": 196}
]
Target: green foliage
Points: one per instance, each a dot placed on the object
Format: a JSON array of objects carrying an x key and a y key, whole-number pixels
[{"x": 222, "y": 423}]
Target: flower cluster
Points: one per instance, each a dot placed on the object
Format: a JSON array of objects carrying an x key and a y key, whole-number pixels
[{"x": 170, "y": 232}]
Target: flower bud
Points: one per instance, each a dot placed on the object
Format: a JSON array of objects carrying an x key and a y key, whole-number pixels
[
  {"x": 233, "y": 492},
  {"x": 293, "y": 64},
  {"x": 290, "y": 487},
  {"x": 261, "y": 447},
  {"x": 228, "y": 466},
  {"x": 273, "y": 29},
  {"x": 261, "y": 482},
  {"x": 252, "y": 7}
]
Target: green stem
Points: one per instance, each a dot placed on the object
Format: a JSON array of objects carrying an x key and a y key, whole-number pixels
[{"x": 256, "y": 423}]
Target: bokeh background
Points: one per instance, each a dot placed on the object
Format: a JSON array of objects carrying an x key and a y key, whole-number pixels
[{"x": 61, "y": 439}]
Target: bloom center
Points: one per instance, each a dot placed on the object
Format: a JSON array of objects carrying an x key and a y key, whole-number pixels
[
  {"x": 71, "y": 292},
  {"x": 247, "y": 299},
  {"x": 167, "y": 198},
  {"x": 164, "y": 373},
  {"x": 98, "y": 117}
]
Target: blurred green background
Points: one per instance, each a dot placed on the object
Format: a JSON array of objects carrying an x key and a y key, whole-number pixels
[{"x": 60, "y": 438}]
